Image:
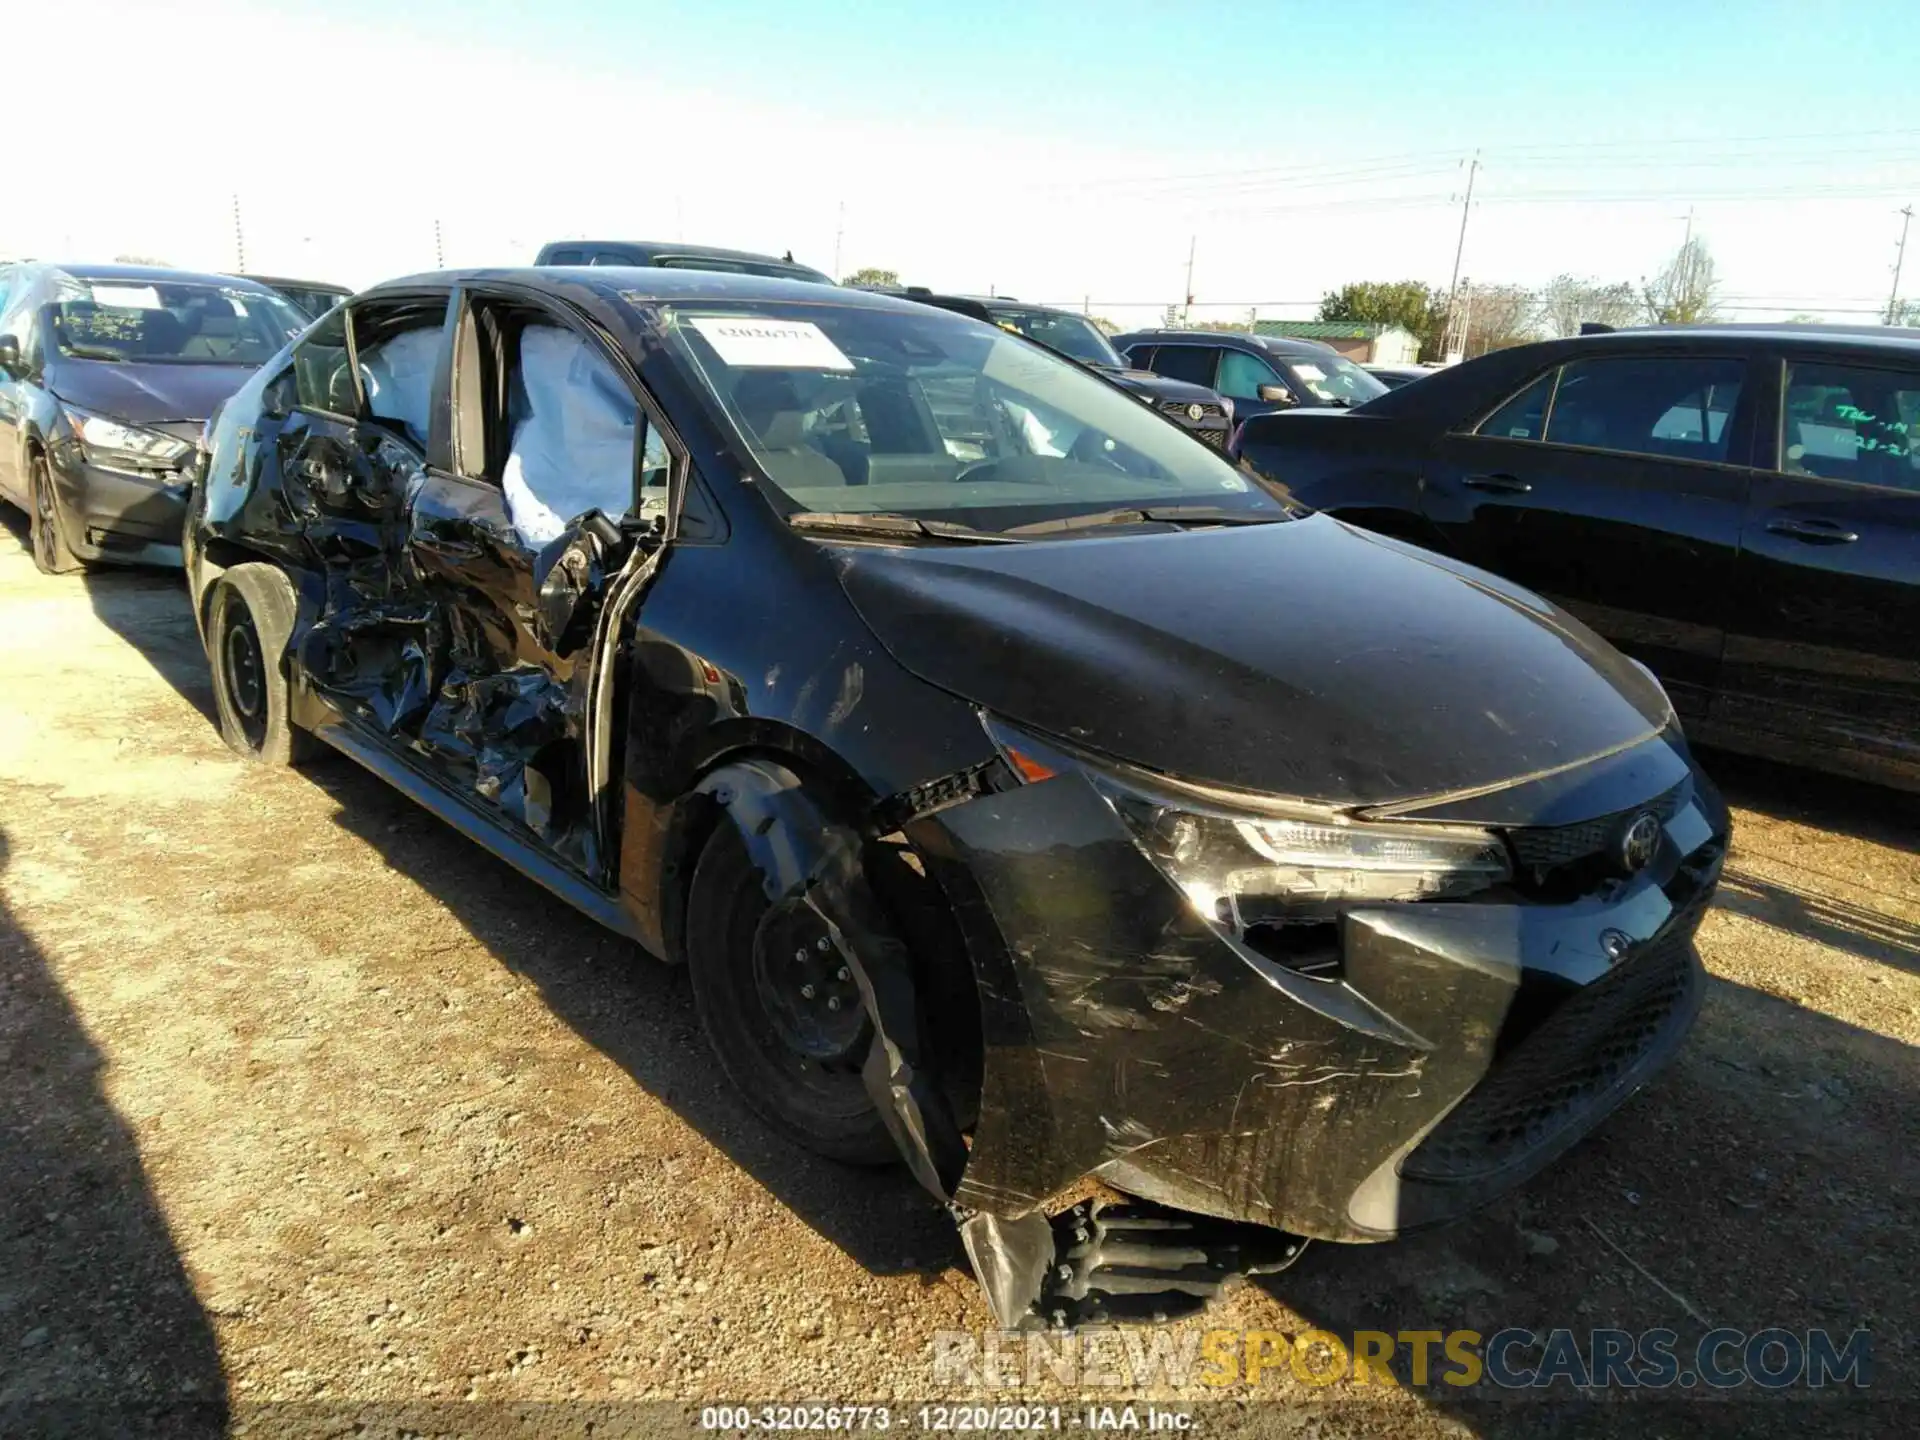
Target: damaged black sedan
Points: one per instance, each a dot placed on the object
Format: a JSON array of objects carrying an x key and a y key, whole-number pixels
[{"x": 1034, "y": 796}]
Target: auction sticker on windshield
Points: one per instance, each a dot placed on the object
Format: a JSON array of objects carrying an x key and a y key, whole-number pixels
[
  {"x": 127, "y": 297},
  {"x": 770, "y": 344}
]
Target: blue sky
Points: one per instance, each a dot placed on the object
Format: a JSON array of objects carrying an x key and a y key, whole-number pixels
[{"x": 1054, "y": 149}]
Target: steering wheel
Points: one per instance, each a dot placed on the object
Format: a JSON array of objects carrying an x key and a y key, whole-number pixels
[{"x": 982, "y": 470}]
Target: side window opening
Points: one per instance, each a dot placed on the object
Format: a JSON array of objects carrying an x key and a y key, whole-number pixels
[
  {"x": 1844, "y": 422},
  {"x": 1524, "y": 417},
  {"x": 1192, "y": 363},
  {"x": 1242, "y": 375},
  {"x": 1657, "y": 405},
  {"x": 322, "y": 376},
  {"x": 398, "y": 347},
  {"x": 565, "y": 434}
]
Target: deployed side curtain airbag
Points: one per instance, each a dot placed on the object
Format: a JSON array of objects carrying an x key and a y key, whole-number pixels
[
  {"x": 398, "y": 376},
  {"x": 573, "y": 446}
]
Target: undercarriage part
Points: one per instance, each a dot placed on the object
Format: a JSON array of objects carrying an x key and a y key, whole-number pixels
[{"x": 1099, "y": 1263}]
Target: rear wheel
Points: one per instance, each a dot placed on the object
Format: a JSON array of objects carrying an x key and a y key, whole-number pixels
[
  {"x": 780, "y": 1008},
  {"x": 249, "y": 624},
  {"x": 51, "y": 553}
]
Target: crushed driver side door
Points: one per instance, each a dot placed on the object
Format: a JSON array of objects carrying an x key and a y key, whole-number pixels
[{"x": 529, "y": 544}]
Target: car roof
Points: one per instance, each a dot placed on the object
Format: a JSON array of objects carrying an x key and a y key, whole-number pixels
[
  {"x": 1233, "y": 339},
  {"x": 162, "y": 273},
  {"x": 645, "y": 283},
  {"x": 278, "y": 280},
  {"x": 1772, "y": 332},
  {"x": 661, "y": 247}
]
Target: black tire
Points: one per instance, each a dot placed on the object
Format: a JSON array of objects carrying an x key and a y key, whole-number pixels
[
  {"x": 731, "y": 928},
  {"x": 51, "y": 553},
  {"x": 248, "y": 624}
]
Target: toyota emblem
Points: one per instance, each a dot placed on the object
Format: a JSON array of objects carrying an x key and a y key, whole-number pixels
[
  {"x": 1196, "y": 413},
  {"x": 1638, "y": 842}
]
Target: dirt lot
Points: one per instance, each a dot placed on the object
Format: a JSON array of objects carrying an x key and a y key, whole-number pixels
[{"x": 309, "y": 1100}]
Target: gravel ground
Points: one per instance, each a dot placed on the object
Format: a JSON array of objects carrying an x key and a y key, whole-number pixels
[{"x": 317, "y": 1117}]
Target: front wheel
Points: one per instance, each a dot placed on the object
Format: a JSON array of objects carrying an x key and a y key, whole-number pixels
[
  {"x": 782, "y": 1012},
  {"x": 250, "y": 622},
  {"x": 51, "y": 554}
]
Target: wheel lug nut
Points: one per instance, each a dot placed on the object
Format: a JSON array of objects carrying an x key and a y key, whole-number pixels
[
  {"x": 823, "y": 945},
  {"x": 833, "y": 1002},
  {"x": 798, "y": 956},
  {"x": 841, "y": 974},
  {"x": 806, "y": 992}
]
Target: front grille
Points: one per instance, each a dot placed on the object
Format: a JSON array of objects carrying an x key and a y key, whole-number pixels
[
  {"x": 1581, "y": 1061},
  {"x": 1548, "y": 848},
  {"x": 1215, "y": 438},
  {"x": 1178, "y": 410}
]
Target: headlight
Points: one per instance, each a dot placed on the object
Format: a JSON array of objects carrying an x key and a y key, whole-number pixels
[
  {"x": 1278, "y": 862},
  {"x": 108, "y": 442},
  {"x": 1226, "y": 406}
]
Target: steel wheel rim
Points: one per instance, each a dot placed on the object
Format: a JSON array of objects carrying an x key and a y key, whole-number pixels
[
  {"x": 792, "y": 954},
  {"x": 43, "y": 532},
  {"x": 245, "y": 671}
]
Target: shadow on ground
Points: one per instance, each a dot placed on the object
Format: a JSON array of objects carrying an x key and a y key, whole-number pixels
[
  {"x": 100, "y": 1331},
  {"x": 1824, "y": 919}
]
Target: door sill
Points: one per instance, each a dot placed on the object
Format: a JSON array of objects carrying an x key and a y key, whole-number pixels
[{"x": 444, "y": 801}]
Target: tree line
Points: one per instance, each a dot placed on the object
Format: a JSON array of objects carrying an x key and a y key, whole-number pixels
[{"x": 1491, "y": 317}]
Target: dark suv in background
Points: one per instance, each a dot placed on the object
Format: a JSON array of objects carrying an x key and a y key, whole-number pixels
[
  {"x": 313, "y": 298},
  {"x": 107, "y": 375},
  {"x": 1193, "y": 407},
  {"x": 1258, "y": 373},
  {"x": 1736, "y": 506},
  {"x": 678, "y": 257}
]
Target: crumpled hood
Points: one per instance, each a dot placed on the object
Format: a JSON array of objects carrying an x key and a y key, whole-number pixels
[
  {"x": 146, "y": 394},
  {"x": 1306, "y": 658}
]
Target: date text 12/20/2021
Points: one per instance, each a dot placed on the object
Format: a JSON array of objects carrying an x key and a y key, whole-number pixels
[{"x": 945, "y": 1419}]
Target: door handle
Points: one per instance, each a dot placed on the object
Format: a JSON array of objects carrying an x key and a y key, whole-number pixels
[
  {"x": 1499, "y": 484},
  {"x": 1814, "y": 532}
]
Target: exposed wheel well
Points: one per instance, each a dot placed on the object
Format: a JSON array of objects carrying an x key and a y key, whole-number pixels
[{"x": 905, "y": 886}]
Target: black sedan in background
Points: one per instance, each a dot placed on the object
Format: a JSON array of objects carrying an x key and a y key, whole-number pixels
[
  {"x": 107, "y": 375},
  {"x": 1031, "y": 794},
  {"x": 1193, "y": 407},
  {"x": 1737, "y": 506}
]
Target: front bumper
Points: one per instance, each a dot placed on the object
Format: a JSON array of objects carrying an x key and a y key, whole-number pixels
[
  {"x": 1464, "y": 1047},
  {"x": 116, "y": 515}
]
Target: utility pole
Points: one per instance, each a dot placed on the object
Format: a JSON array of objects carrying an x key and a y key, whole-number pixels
[
  {"x": 1460, "y": 246},
  {"x": 239, "y": 240},
  {"x": 439, "y": 255},
  {"x": 1186, "y": 314},
  {"x": 839, "y": 231},
  {"x": 1899, "y": 259}
]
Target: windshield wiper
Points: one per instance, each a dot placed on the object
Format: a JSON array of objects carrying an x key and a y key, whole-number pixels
[
  {"x": 91, "y": 352},
  {"x": 886, "y": 522},
  {"x": 1141, "y": 515}
]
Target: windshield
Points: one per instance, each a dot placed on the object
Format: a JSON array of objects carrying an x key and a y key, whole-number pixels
[
  {"x": 171, "y": 323},
  {"x": 929, "y": 414},
  {"x": 1060, "y": 330},
  {"x": 1334, "y": 379}
]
